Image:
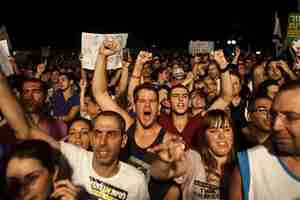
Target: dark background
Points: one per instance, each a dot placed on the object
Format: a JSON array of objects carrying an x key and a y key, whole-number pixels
[{"x": 147, "y": 22}]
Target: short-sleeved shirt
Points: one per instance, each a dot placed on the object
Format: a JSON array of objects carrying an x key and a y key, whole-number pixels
[
  {"x": 128, "y": 184},
  {"x": 190, "y": 131},
  {"x": 61, "y": 107}
]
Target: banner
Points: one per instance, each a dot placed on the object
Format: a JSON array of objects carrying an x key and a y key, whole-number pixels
[
  {"x": 293, "y": 32},
  {"x": 90, "y": 43},
  {"x": 197, "y": 47}
]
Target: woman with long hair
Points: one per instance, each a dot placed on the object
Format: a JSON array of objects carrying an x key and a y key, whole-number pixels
[
  {"x": 203, "y": 172},
  {"x": 34, "y": 170}
]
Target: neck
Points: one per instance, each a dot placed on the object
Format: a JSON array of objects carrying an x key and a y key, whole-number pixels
[
  {"x": 147, "y": 131},
  {"x": 104, "y": 170},
  {"x": 180, "y": 121},
  {"x": 261, "y": 136},
  {"x": 68, "y": 93},
  {"x": 35, "y": 117},
  {"x": 196, "y": 111}
]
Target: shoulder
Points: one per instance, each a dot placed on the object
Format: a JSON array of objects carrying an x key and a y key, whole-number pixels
[{"x": 131, "y": 171}]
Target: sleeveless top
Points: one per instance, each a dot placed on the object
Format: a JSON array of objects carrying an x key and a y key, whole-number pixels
[
  {"x": 142, "y": 159},
  {"x": 265, "y": 176}
]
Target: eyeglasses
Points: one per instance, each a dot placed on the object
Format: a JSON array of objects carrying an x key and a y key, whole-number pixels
[
  {"x": 263, "y": 110},
  {"x": 288, "y": 117}
]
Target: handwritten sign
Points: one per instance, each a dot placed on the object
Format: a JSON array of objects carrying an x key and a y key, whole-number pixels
[{"x": 90, "y": 43}]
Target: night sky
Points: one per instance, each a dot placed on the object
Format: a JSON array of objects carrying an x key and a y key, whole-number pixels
[{"x": 166, "y": 26}]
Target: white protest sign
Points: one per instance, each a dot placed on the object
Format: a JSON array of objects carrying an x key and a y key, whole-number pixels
[
  {"x": 90, "y": 43},
  {"x": 197, "y": 47},
  {"x": 6, "y": 67}
]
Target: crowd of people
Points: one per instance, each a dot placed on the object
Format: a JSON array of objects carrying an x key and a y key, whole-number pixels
[{"x": 161, "y": 127}]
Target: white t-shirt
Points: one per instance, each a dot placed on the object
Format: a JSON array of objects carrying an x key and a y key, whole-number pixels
[
  {"x": 194, "y": 182},
  {"x": 127, "y": 184}
]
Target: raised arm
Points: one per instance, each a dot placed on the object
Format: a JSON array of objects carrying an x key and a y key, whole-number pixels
[
  {"x": 226, "y": 86},
  {"x": 135, "y": 78},
  {"x": 12, "y": 110},
  {"x": 124, "y": 79},
  {"x": 99, "y": 85},
  {"x": 15, "y": 116}
]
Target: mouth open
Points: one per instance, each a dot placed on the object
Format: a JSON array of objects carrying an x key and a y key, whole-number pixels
[{"x": 147, "y": 113}]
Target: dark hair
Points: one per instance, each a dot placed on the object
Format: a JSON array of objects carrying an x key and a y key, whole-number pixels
[
  {"x": 291, "y": 85},
  {"x": 252, "y": 102},
  {"x": 145, "y": 86},
  {"x": 210, "y": 118},
  {"x": 175, "y": 87},
  {"x": 263, "y": 87},
  {"x": 88, "y": 122},
  {"x": 117, "y": 116},
  {"x": 35, "y": 80},
  {"x": 48, "y": 157}
]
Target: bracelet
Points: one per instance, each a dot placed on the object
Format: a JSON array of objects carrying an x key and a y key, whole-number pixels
[
  {"x": 137, "y": 77},
  {"x": 224, "y": 70}
]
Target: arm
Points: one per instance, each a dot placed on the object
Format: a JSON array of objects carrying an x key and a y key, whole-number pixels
[
  {"x": 99, "y": 84},
  {"x": 124, "y": 79},
  {"x": 71, "y": 114},
  {"x": 171, "y": 161},
  {"x": 115, "y": 78},
  {"x": 14, "y": 114},
  {"x": 287, "y": 70},
  {"x": 235, "y": 187},
  {"x": 135, "y": 79},
  {"x": 226, "y": 85},
  {"x": 83, "y": 84},
  {"x": 40, "y": 68},
  {"x": 12, "y": 110}
]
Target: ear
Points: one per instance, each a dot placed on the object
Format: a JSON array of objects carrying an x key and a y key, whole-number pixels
[
  {"x": 92, "y": 139},
  {"x": 124, "y": 140}
]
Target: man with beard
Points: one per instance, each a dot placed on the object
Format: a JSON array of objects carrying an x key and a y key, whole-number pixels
[
  {"x": 264, "y": 174},
  {"x": 144, "y": 131},
  {"x": 33, "y": 101}
]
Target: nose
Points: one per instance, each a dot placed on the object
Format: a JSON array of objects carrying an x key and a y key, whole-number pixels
[
  {"x": 103, "y": 139},
  {"x": 278, "y": 123},
  {"x": 77, "y": 135},
  {"x": 221, "y": 134}
]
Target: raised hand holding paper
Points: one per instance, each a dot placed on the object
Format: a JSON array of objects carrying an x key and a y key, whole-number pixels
[{"x": 91, "y": 43}]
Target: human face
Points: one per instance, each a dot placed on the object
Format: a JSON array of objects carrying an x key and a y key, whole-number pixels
[
  {"x": 236, "y": 85},
  {"x": 107, "y": 141},
  {"x": 260, "y": 117},
  {"x": 146, "y": 108},
  {"x": 213, "y": 71},
  {"x": 285, "y": 114},
  {"x": 54, "y": 76},
  {"x": 274, "y": 72},
  {"x": 165, "y": 75},
  {"x": 79, "y": 134},
  {"x": 198, "y": 102},
  {"x": 32, "y": 96},
  {"x": 211, "y": 87},
  {"x": 64, "y": 82},
  {"x": 220, "y": 139},
  {"x": 179, "y": 101},
  {"x": 272, "y": 90},
  {"x": 91, "y": 107},
  {"x": 34, "y": 180}
]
